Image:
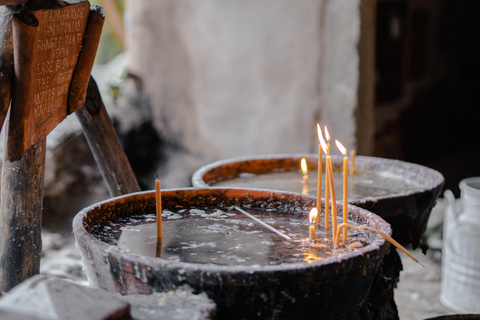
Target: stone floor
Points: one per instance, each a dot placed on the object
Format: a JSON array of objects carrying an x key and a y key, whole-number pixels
[{"x": 418, "y": 292}]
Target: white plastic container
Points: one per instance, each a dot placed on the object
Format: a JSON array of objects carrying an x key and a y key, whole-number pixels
[{"x": 461, "y": 249}]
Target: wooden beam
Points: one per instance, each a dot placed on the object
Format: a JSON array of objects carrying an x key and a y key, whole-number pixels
[
  {"x": 21, "y": 218},
  {"x": 93, "y": 32},
  {"x": 9, "y": 2},
  {"x": 24, "y": 160},
  {"x": 105, "y": 145}
]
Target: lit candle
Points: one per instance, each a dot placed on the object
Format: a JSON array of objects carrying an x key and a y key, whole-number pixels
[
  {"x": 158, "y": 209},
  {"x": 327, "y": 136},
  {"x": 319, "y": 180},
  {"x": 334, "y": 200},
  {"x": 343, "y": 151},
  {"x": 312, "y": 217},
  {"x": 353, "y": 154},
  {"x": 323, "y": 146},
  {"x": 327, "y": 183},
  {"x": 303, "y": 165}
]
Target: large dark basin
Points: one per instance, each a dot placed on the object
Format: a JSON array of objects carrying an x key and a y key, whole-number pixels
[
  {"x": 333, "y": 288},
  {"x": 407, "y": 211}
]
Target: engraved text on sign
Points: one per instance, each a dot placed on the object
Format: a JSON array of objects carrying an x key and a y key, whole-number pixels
[
  {"x": 47, "y": 46},
  {"x": 57, "y": 48}
]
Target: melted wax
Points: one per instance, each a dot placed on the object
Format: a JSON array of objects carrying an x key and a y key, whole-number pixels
[
  {"x": 224, "y": 237},
  {"x": 360, "y": 186}
]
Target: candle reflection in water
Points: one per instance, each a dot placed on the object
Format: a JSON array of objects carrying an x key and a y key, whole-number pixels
[
  {"x": 312, "y": 218},
  {"x": 303, "y": 164},
  {"x": 315, "y": 250}
]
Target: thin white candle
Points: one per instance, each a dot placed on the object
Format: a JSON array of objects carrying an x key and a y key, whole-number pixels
[
  {"x": 343, "y": 150},
  {"x": 319, "y": 179}
]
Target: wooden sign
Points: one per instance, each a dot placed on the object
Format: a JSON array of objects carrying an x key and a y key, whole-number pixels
[
  {"x": 9, "y": 2},
  {"x": 47, "y": 45}
]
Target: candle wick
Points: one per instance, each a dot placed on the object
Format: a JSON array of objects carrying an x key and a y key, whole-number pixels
[{"x": 264, "y": 224}]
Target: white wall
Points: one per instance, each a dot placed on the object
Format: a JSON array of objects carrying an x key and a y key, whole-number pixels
[{"x": 246, "y": 77}]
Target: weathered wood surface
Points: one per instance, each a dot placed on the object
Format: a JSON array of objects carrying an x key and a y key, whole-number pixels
[
  {"x": 6, "y": 62},
  {"x": 8, "y": 2},
  {"x": 105, "y": 145},
  {"x": 21, "y": 219},
  {"x": 47, "y": 44},
  {"x": 81, "y": 76}
]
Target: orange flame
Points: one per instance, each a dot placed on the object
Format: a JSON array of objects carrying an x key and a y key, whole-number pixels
[
  {"x": 340, "y": 147},
  {"x": 303, "y": 165},
  {"x": 323, "y": 144},
  {"x": 312, "y": 217},
  {"x": 327, "y": 135},
  {"x": 319, "y": 131}
]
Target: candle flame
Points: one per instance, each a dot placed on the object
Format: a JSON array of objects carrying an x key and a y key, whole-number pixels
[
  {"x": 319, "y": 131},
  {"x": 327, "y": 135},
  {"x": 323, "y": 144},
  {"x": 312, "y": 217},
  {"x": 340, "y": 147},
  {"x": 303, "y": 164}
]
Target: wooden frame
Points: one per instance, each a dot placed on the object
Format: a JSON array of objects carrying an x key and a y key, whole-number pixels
[{"x": 52, "y": 49}]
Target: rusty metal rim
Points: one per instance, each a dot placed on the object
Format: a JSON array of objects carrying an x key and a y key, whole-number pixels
[{"x": 432, "y": 177}]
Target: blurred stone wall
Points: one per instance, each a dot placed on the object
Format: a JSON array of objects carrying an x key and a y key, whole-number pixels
[
  {"x": 236, "y": 78},
  {"x": 208, "y": 80}
]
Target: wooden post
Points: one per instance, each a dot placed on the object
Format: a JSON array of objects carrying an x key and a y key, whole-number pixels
[
  {"x": 105, "y": 145},
  {"x": 21, "y": 219},
  {"x": 44, "y": 60},
  {"x": 52, "y": 64},
  {"x": 6, "y": 62}
]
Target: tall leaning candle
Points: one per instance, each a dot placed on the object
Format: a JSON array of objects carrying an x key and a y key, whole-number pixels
[
  {"x": 327, "y": 184},
  {"x": 158, "y": 196},
  {"x": 323, "y": 146},
  {"x": 343, "y": 150},
  {"x": 319, "y": 181}
]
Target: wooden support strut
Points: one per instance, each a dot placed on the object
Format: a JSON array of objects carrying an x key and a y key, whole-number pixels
[
  {"x": 24, "y": 163},
  {"x": 105, "y": 145},
  {"x": 21, "y": 193},
  {"x": 97, "y": 126}
]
